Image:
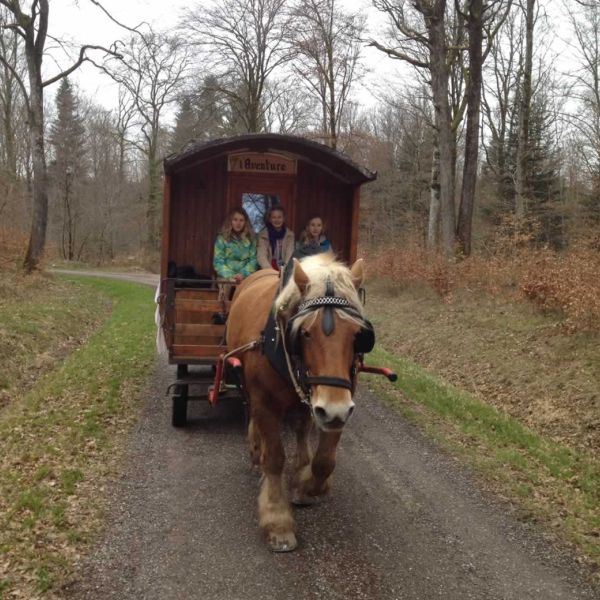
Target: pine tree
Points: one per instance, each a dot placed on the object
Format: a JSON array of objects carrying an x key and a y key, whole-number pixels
[
  {"x": 541, "y": 175},
  {"x": 67, "y": 137},
  {"x": 202, "y": 115},
  {"x": 186, "y": 124}
]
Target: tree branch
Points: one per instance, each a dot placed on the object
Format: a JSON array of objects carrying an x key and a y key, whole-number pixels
[
  {"x": 82, "y": 58},
  {"x": 132, "y": 29},
  {"x": 17, "y": 78},
  {"x": 399, "y": 55}
]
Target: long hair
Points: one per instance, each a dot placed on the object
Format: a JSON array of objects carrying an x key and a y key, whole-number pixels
[
  {"x": 305, "y": 235},
  {"x": 227, "y": 230}
]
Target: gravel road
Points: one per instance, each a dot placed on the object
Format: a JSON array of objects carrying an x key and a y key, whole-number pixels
[{"x": 403, "y": 521}]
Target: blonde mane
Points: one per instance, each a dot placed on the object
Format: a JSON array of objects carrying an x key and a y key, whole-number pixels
[{"x": 319, "y": 268}]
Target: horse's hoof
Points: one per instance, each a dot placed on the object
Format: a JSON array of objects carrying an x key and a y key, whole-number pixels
[
  {"x": 255, "y": 458},
  {"x": 299, "y": 499},
  {"x": 285, "y": 542}
]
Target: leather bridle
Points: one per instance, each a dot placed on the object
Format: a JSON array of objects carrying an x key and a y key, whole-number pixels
[{"x": 302, "y": 381}]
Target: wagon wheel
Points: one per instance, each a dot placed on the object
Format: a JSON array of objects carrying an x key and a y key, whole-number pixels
[
  {"x": 179, "y": 406},
  {"x": 180, "y": 400}
]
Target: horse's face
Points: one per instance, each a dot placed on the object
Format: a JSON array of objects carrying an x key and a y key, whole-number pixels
[{"x": 329, "y": 356}]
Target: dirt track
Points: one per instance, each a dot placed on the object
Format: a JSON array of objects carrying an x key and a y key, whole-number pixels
[
  {"x": 402, "y": 522},
  {"x": 145, "y": 278}
]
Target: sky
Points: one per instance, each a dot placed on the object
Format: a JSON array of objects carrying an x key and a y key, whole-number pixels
[{"x": 79, "y": 21}]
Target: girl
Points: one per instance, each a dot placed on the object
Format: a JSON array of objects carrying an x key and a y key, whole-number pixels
[
  {"x": 312, "y": 238},
  {"x": 275, "y": 241},
  {"x": 235, "y": 248}
]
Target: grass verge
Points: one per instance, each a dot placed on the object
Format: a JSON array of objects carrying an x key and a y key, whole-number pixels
[
  {"x": 60, "y": 442},
  {"x": 552, "y": 483},
  {"x": 41, "y": 321}
]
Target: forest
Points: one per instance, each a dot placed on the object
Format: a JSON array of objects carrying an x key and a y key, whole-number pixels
[
  {"x": 481, "y": 240},
  {"x": 490, "y": 146}
]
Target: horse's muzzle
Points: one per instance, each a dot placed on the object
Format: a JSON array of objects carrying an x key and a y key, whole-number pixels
[{"x": 332, "y": 416}]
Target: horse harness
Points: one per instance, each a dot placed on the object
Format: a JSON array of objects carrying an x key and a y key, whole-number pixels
[{"x": 291, "y": 345}]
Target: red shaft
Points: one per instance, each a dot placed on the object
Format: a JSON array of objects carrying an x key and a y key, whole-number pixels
[{"x": 379, "y": 371}]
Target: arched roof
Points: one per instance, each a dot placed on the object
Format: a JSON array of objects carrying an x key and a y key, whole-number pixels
[{"x": 335, "y": 163}]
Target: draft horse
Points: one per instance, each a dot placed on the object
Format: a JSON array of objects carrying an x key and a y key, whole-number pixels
[{"x": 320, "y": 322}]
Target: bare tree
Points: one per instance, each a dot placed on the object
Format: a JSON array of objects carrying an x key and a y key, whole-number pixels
[
  {"x": 244, "y": 42},
  {"x": 418, "y": 36},
  {"x": 401, "y": 151},
  {"x": 13, "y": 145},
  {"x": 525, "y": 96},
  {"x": 32, "y": 26},
  {"x": 327, "y": 45},
  {"x": 10, "y": 100},
  {"x": 481, "y": 18},
  {"x": 585, "y": 89},
  {"x": 152, "y": 71},
  {"x": 502, "y": 79},
  {"x": 291, "y": 111}
]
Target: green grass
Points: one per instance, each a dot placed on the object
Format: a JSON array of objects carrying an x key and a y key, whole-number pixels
[
  {"x": 559, "y": 484},
  {"x": 60, "y": 441},
  {"x": 41, "y": 321}
]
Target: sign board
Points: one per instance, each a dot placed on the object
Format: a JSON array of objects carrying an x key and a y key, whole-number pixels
[{"x": 261, "y": 162}]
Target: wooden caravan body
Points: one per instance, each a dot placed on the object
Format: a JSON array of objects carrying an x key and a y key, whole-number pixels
[{"x": 208, "y": 179}]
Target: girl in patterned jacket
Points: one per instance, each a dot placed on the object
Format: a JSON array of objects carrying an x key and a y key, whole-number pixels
[{"x": 235, "y": 248}]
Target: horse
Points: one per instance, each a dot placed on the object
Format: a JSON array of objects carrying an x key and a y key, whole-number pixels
[{"x": 320, "y": 323}]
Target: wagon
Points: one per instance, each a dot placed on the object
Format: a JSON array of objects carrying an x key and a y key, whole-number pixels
[{"x": 202, "y": 184}]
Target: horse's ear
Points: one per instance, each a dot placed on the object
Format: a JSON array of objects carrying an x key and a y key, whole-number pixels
[
  {"x": 357, "y": 271},
  {"x": 300, "y": 277}
]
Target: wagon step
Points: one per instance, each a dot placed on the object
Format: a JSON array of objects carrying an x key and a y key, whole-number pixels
[{"x": 188, "y": 380}]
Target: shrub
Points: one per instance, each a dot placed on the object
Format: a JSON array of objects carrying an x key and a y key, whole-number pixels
[{"x": 568, "y": 281}]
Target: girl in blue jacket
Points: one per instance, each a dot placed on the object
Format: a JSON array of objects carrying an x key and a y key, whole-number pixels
[{"x": 313, "y": 239}]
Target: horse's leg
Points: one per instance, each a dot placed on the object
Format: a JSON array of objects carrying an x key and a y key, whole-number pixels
[
  {"x": 274, "y": 510},
  {"x": 314, "y": 479},
  {"x": 302, "y": 426},
  {"x": 254, "y": 442}
]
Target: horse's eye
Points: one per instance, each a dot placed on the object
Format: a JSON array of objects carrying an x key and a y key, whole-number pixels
[{"x": 305, "y": 334}]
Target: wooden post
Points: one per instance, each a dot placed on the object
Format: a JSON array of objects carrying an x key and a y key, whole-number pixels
[{"x": 354, "y": 228}]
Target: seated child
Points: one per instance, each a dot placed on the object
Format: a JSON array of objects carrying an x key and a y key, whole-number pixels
[
  {"x": 235, "y": 249},
  {"x": 313, "y": 239},
  {"x": 275, "y": 241}
]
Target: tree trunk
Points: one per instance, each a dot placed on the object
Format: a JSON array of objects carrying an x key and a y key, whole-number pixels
[
  {"x": 521, "y": 191},
  {"x": 439, "y": 87},
  {"x": 152, "y": 208},
  {"x": 39, "y": 221},
  {"x": 9, "y": 108},
  {"x": 434, "y": 203},
  {"x": 467, "y": 199},
  {"x": 333, "y": 125}
]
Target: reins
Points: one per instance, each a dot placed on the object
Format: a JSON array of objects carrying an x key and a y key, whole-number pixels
[{"x": 304, "y": 398}]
